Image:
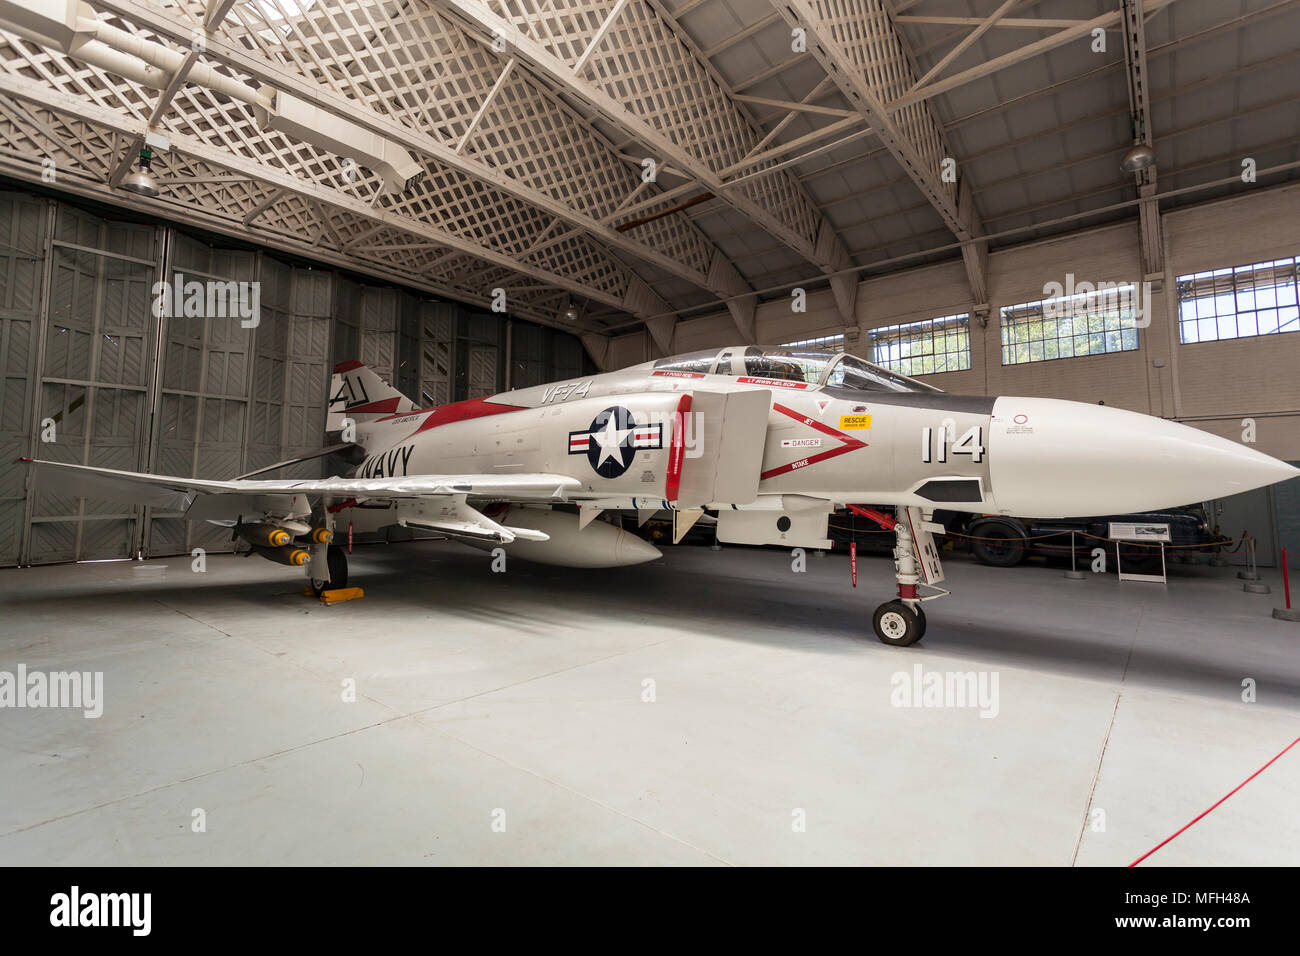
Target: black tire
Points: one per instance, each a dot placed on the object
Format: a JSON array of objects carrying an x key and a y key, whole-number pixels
[
  {"x": 1000, "y": 550},
  {"x": 337, "y": 560},
  {"x": 898, "y": 625}
]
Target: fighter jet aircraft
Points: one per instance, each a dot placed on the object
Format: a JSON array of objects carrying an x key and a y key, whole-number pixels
[{"x": 769, "y": 440}]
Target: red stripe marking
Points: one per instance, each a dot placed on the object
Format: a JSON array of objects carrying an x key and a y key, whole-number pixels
[
  {"x": 458, "y": 412},
  {"x": 347, "y": 366},
  {"x": 383, "y": 405},
  {"x": 850, "y": 444},
  {"x": 672, "y": 374},
  {"x": 677, "y": 449},
  {"x": 776, "y": 382}
]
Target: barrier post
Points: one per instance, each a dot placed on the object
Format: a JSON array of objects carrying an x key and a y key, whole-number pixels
[
  {"x": 1074, "y": 574},
  {"x": 1253, "y": 584},
  {"x": 1251, "y": 571},
  {"x": 1287, "y": 613}
]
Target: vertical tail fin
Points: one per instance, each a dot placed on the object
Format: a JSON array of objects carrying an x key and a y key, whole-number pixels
[{"x": 358, "y": 393}]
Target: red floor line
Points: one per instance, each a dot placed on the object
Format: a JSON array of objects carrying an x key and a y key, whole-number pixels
[{"x": 1224, "y": 797}]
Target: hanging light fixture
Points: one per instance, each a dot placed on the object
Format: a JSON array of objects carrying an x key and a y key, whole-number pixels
[
  {"x": 142, "y": 182},
  {"x": 1139, "y": 157}
]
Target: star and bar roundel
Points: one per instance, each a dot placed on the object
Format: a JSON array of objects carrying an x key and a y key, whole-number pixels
[{"x": 613, "y": 440}]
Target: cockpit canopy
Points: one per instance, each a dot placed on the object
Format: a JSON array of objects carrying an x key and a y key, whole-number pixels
[{"x": 793, "y": 365}]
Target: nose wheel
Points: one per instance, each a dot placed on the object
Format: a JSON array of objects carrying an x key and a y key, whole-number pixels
[{"x": 897, "y": 624}]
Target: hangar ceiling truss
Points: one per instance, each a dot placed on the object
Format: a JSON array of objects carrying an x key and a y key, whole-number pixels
[
  {"x": 630, "y": 63},
  {"x": 519, "y": 130},
  {"x": 510, "y": 175},
  {"x": 856, "y": 43}
]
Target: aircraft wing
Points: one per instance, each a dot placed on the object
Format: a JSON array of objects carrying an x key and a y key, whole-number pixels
[{"x": 178, "y": 493}]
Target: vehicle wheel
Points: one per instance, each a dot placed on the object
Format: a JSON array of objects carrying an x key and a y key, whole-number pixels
[
  {"x": 897, "y": 624},
  {"x": 337, "y": 560},
  {"x": 996, "y": 545}
]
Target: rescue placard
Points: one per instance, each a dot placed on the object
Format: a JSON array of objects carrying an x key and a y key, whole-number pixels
[{"x": 855, "y": 421}]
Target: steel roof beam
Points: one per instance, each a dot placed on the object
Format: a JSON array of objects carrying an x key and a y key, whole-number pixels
[
  {"x": 146, "y": 15},
  {"x": 1135, "y": 64},
  {"x": 638, "y": 300},
  {"x": 859, "y": 48},
  {"x": 818, "y": 243}
]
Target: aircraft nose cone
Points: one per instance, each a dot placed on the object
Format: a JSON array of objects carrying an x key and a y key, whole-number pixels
[{"x": 1050, "y": 458}]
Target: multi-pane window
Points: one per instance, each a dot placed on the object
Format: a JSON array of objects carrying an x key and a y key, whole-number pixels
[
  {"x": 925, "y": 347},
  {"x": 1088, "y": 323},
  {"x": 1243, "y": 301},
  {"x": 829, "y": 343}
]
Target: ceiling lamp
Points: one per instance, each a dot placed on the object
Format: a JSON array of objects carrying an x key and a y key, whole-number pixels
[
  {"x": 142, "y": 182},
  {"x": 1139, "y": 157}
]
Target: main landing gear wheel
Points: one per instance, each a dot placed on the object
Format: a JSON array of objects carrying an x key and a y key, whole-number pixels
[
  {"x": 337, "y": 559},
  {"x": 898, "y": 625}
]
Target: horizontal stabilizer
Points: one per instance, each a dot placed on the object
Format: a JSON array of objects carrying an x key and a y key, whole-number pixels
[{"x": 320, "y": 453}]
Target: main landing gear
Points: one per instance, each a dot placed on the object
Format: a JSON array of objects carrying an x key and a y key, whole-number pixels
[
  {"x": 901, "y": 622},
  {"x": 327, "y": 557},
  {"x": 336, "y": 560}
]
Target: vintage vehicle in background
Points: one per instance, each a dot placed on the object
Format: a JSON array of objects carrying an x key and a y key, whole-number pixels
[{"x": 1003, "y": 541}]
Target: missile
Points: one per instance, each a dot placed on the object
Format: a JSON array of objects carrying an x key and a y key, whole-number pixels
[
  {"x": 263, "y": 534},
  {"x": 288, "y": 554},
  {"x": 1050, "y": 458}
]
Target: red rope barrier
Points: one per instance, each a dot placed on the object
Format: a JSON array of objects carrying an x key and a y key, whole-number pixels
[{"x": 1225, "y": 797}]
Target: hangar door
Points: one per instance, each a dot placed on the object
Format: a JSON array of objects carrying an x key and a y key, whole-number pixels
[
  {"x": 23, "y": 224},
  {"x": 437, "y": 352},
  {"x": 203, "y": 398},
  {"x": 95, "y": 361},
  {"x": 380, "y": 316},
  {"x": 94, "y": 370}
]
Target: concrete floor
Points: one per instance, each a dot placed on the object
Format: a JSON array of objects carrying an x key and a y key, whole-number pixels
[{"x": 522, "y": 692}]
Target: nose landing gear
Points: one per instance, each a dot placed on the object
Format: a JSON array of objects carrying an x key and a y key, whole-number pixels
[{"x": 901, "y": 622}]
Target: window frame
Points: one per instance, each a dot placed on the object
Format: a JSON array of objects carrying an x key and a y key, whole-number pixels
[
  {"x": 1126, "y": 313},
  {"x": 1288, "y": 268},
  {"x": 930, "y": 327}
]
